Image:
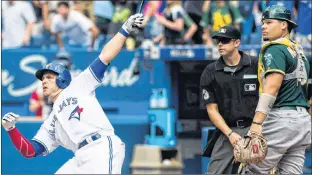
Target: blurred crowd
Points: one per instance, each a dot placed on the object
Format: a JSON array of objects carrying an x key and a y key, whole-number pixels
[{"x": 90, "y": 24}]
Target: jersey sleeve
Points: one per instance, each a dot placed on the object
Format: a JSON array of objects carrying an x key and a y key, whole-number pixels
[
  {"x": 206, "y": 87},
  {"x": 274, "y": 60},
  {"x": 46, "y": 136},
  {"x": 91, "y": 78}
]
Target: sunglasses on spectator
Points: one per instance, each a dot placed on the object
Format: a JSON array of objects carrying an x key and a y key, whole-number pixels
[{"x": 224, "y": 40}]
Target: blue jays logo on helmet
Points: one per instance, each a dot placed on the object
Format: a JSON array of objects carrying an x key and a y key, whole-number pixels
[{"x": 63, "y": 77}]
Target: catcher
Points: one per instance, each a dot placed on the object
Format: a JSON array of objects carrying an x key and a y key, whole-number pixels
[{"x": 281, "y": 114}]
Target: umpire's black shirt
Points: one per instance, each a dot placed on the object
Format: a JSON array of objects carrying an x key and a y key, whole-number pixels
[{"x": 233, "y": 89}]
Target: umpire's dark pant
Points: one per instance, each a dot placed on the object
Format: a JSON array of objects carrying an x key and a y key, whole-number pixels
[{"x": 221, "y": 161}]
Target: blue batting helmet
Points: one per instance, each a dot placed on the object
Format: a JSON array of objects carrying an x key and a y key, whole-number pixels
[{"x": 63, "y": 77}]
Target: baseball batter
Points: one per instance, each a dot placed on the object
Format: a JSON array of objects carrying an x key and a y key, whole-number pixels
[
  {"x": 281, "y": 115},
  {"x": 77, "y": 121}
]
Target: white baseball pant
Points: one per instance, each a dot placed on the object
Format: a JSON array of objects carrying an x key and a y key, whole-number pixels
[{"x": 102, "y": 156}]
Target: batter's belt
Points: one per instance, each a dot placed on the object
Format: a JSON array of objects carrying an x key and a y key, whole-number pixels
[{"x": 94, "y": 137}]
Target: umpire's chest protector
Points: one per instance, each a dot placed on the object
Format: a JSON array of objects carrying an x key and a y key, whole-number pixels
[{"x": 237, "y": 93}]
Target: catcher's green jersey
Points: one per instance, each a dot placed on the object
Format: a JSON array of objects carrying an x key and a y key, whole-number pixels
[{"x": 278, "y": 58}]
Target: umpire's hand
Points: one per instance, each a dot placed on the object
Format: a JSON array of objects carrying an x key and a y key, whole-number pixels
[
  {"x": 8, "y": 121},
  {"x": 133, "y": 22},
  {"x": 234, "y": 138}
]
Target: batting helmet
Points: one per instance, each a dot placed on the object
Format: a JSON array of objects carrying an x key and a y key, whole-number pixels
[
  {"x": 63, "y": 77},
  {"x": 280, "y": 13}
]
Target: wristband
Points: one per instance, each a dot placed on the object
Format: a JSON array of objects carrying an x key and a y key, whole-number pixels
[
  {"x": 257, "y": 123},
  {"x": 123, "y": 32},
  {"x": 230, "y": 134},
  {"x": 9, "y": 129}
]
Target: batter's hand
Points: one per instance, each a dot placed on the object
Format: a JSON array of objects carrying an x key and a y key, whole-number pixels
[
  {"x": 9, "y": 120},
  {"x": 133, "y": 22},
  {"x": 234, "y": 138}
]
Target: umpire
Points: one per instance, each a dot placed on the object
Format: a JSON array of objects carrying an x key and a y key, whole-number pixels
[{"x": 230, "y": 92}]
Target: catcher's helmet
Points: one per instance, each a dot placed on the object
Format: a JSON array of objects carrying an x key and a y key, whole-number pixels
[
  {"x": 280, "y": 13},
  {"x": 63, "y": 77}
]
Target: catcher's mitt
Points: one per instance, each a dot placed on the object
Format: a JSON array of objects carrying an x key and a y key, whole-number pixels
[{"x": 252, "y": 149}]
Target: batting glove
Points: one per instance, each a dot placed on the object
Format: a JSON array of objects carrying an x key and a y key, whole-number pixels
[
  {"x": 133, "y": 22},
  {"x": 9, "y": 120}
]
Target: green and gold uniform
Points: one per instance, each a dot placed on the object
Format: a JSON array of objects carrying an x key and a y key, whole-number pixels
[
  {"x": 287, "y": 126},
  {"x": 280, "y": 56}
]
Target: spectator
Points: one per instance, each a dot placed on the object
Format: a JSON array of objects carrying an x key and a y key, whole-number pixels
[
  {"x": 251, "y": 26},
  {"x": 190, "y": 29},
  {"x": 42, "y": 12},
  {"x": 194, "y": 10},
  {"x": 219, "y": 14},
  {"x": 39, "y": 104},
  {"x": 205, "y": 6},
  {"x": 74, "y": 25},
  {"x": 41, "y": 35},
  {"x": 151, "y": 27},
  {"x": 121, "y": 13},
  {"x": 103, "y": 17},
  {"x": 48, "y": 11},
  {"x": 123, "y": 10},
  {"x": 84, "y": 7},
  {"x": 36, "y": 102},
  {"x": 173, "y": 24},
  {"x": 18, "y": 19}
]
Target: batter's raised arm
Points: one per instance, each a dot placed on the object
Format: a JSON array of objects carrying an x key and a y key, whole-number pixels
[{"x": 113, "y": 47}]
